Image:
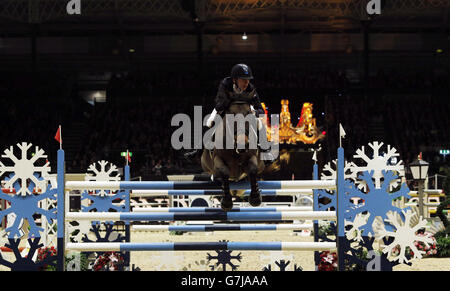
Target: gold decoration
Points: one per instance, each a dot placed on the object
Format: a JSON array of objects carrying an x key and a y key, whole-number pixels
[{"x": 306, "y": 130}]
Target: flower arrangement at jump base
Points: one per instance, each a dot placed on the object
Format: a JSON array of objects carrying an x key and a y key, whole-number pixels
[
  {"x": 328, "y": 261},
  {"x": 429, "y": 250},
  {"x": 44, "y": 253},
  {"x": 109, "y": 261},
  {"x": 426, "y": 250}
]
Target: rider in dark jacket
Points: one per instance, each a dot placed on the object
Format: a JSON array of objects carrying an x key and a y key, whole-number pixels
[{"x": 237, "y": 87}]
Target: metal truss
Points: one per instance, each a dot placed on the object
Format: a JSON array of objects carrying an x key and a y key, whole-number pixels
[
  {"x": 40, "y": 11},
  {"x": 338, "y": 8}
]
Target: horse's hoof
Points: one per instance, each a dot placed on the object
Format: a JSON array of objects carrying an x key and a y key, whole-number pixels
[
  {"x": 255, "y": 199},
  {"x": 226, "y": 203}
]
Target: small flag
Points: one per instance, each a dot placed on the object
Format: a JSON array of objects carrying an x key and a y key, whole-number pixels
[
  {"x": 127, "y": 155},
  {"x": 58, "y": 136},
  {"x": 341, "y": 134},
  {"x": 341, "y": 131}
]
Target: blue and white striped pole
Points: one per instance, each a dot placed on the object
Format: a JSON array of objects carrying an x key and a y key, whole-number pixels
[
  {"x": 223, "y": 227},
  {"x": 264, "y": 192},
  {"x": 202, "y": 246},
  {"x": 193, "y": 185},
  {"x": 231, "y": 216},
  {"x": 220, "y": 210}
]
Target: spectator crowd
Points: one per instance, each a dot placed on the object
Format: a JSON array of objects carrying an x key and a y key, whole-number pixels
[{"x": 139, "y": 107}]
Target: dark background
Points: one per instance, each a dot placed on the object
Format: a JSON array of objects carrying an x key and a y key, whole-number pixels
[{"x": 384, "y": 77}]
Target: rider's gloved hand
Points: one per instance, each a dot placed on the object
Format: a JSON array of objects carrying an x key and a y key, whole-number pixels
[
  {"x": 258, "y": 112},
  {"x": 211, "y": 118}
]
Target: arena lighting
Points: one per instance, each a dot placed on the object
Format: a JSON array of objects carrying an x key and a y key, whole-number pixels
[
  {"x": 124, "y": 154},
  {"x": 444, "y": 153},
  {"x": 244, "y": 36},
  {"x": 131, "y": 50},
  {"x": 439, "y": 51}
]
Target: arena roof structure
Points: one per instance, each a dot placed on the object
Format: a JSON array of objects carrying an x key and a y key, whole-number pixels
[{"x": 222, "y": 16}]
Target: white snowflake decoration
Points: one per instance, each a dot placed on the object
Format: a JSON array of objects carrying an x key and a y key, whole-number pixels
[
  {"x": 331, "y": 169},
  {"x": 432, "y": 228},
  {"x": 24, "y": 169},
  {"x": 379, "y": 163},
  {"x": 354, "y": 233},
  {"x": 102, "y": 174},
  {"x": 404, "y": 236}
]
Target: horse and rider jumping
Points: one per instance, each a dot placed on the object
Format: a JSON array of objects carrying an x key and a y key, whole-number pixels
[{"x": 236, "y": 95}]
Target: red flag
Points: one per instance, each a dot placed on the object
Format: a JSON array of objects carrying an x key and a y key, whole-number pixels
[
  {"x": 58, "y": 135},
  {"x": 128, "y": 157}
]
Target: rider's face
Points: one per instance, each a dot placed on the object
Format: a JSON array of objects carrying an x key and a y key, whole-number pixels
[{"x": 242, "y": 84}]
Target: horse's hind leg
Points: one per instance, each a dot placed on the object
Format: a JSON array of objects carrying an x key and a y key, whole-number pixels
[
  {"x": 255, "y": 193},
  {"x": 223, "y": 172}
]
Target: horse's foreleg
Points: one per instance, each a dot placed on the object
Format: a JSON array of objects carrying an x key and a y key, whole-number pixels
[
  {"x": 223, "y": 172},
  {"x": 255, "y": 192}
]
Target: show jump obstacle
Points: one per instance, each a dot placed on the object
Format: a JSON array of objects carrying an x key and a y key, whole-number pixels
[{"x": 334, "y": 200}]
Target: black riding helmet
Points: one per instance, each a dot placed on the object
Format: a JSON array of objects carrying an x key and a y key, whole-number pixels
[{"x": 241, "y": 71}]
